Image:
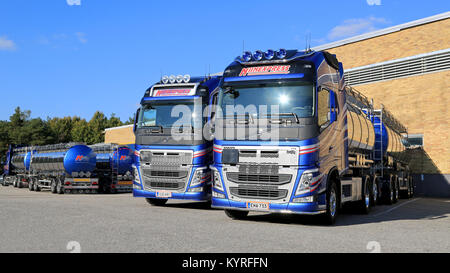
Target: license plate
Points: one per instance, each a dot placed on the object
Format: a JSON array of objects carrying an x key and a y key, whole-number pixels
[
  {"x": 258, "y": 206},
  {"x": 163, "y": 194},
  {"x": 125, "y": 183},
  {"x": 81, "y": 180}
]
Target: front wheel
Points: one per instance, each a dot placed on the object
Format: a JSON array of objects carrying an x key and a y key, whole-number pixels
[
  {"x": 236, "y": 214},
  {"x": 156, "y": 202},
  {"x": 330, "y": 216}
]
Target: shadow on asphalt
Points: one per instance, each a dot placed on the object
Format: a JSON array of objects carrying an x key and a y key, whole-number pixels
[
  {"x": 431, "y": 209},
  {"x": 190, "y": 205}
]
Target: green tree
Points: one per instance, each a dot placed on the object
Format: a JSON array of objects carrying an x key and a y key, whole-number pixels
[
  {"x": 113, "y": 121},
  {"x": 17, "y": 122},
  {"x": 80, "y": 130},
  {"x": 61, "y": 129},
  {"x": 97, "y": 126},
  {"x": 36, "y": 132},
  {"x": 4, "y": 139}
]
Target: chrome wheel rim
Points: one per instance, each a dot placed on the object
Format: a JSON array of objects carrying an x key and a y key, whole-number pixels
[{"x": 367, "y": 199}]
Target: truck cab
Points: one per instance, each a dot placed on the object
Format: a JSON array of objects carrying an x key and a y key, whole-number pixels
[
  {"x": 172, "y": 156},
  {"x": 282, "y": 142}
]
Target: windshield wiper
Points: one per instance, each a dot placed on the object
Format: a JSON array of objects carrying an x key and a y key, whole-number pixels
[
  {"x": 160, "y": 128},
  {"x": 283, "y": 114},
  {"x": 248, "y": 118}
]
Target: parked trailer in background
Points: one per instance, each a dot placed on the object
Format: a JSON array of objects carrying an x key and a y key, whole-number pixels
[
  {"x": 331, "y": 148},
  {"x": 168, "y": 164},
  {"x": 16, "y": 167},
  {"x": 114, "y": 167},
  {"x": 68, "y": 168}
]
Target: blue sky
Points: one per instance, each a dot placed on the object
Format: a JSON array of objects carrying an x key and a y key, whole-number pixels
[{"x": 58, "y": 58}]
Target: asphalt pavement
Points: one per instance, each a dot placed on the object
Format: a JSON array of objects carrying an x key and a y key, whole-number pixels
[{"x": 45, "y": 222}]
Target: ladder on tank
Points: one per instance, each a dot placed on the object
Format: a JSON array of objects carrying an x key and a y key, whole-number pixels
[{"x": 378, "y": 147}]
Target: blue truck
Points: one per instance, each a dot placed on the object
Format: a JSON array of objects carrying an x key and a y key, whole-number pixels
[
  {"x": 172, "y": 155},
  {"x": 292, "y": 137}
]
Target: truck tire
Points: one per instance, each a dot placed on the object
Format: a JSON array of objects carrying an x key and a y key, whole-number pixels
[
  {"x": 156, "y": 202},
  {"x": 396, "y": 189},
  {"x": 329, "y": 218},
  {"x": 375, "y": 197},
  {"x": 236, "y": 214},
  {"x": 390, "y": 192},
  {"x": 364, "y": 203},
  {"x": 53, "y": 186},
  {"x": 59, "y": 187},
  {"x": 36, "y": 186}
]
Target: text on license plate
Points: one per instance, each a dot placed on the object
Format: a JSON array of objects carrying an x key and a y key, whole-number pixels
[
  {"x": 163, "y": 194},
  {"x": 258, "y": 205}
]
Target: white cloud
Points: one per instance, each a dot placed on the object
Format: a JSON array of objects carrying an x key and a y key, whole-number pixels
[
  {"x": 73, "y": 2},
  {"x": 81, "y": 37},
  {"x": 352, "y": 27},
  {"x": 6, "y": 44},
  {"x": 373, "y": 2}
]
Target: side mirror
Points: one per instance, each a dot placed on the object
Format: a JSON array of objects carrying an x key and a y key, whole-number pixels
[{"x": 136, "y": 117}]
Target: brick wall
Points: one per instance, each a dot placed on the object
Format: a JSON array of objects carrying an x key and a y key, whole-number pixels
[
  {"x": 122, "y": 135},
  {"x": 408, "y": 42},
  {"x": 422, "y": 104}
]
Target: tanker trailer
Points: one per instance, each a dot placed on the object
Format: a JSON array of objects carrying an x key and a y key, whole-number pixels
[
  {"x": 375, "y": 142},
  {"x": 66, "y": 167},
  {"x": 16, "y": 166},
  {"x": 114, "y": 167}
]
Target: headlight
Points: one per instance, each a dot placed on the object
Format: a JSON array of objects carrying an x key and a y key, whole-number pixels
[
  {"x": 217, "y": 181},
  {"x": 198, "y": 189},
  {"x": 305, "y": 182},
  {"x": 218, "y": 195},
  {"x": 197, "y": 177},
  {"x": 136, "y": 175},
  {"x": 145, "y": 157}
]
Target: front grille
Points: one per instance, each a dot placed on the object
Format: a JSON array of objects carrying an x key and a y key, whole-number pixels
[
  {"x": 259, "y": 178},
  {"x": 166, "y": 158},
  {"x": 250, "y": 192},
  {"x": 164, "y": 173},
  {"x": 165, "y": 185}
]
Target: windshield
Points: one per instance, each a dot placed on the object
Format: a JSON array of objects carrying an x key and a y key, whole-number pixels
[
  {"x": 265, "y": 99},
  {"x": 168, "y": 114}
]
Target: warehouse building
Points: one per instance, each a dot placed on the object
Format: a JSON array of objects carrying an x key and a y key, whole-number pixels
[{"x": 407, "y": 69}]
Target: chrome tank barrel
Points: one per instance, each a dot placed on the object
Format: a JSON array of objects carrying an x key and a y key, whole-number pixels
[
  {"x": 113, "y": 157},
  {"x": 361, "y": 134},
  {"x": 69, "y": 158},
  {"x": 366, "y": 131}
]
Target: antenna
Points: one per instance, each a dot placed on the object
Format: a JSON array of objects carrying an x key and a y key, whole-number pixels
[{"x": 309, "y": 43}]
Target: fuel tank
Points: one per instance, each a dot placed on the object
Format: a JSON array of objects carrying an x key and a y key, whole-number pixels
[
  {"x": 113, "y": 157},
  {"x": 389, "y": 140},
  {"x": 21, "y": 159},
  {"x": 360, "y": 130},
  {"x": 70, "y": 158}
]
